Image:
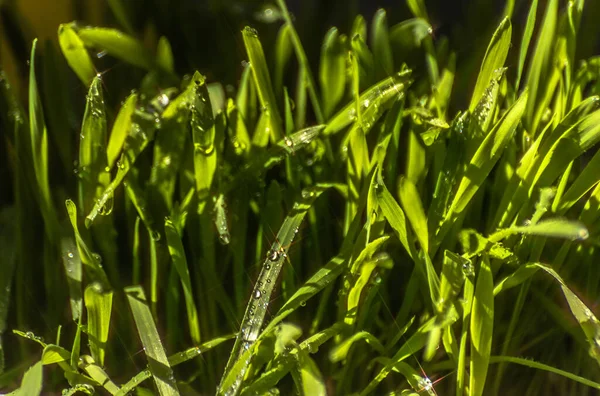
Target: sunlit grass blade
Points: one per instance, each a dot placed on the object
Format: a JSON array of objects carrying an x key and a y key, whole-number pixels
[
  {"x": 411, "y": 202},
  {"x": 553, "y": 228},
  {"x": 494, "y": 59},
  {"x": 98, "y": 303},
  {"x": 157, "y": 359},
  {"x": 374, "y": 101},
  {"x": 92, "y": 174},
  {"x": 117, "y": 44},
  {"x": 259, "y": 301},
  {"x": 97, "y": 373},
  {"x": 120, "y": 129},
  {"x": 283, "y": 53},
  {"x": 380, "y": 42},
  {"x": 340, "y": 351},
  {"x": 164, "y": 55},
  {"x": 482, "y": 324},
  {"x": 262, "y": 80},
  {"x": 180, "y": 263},
  {"x": 75, "y": 53}
]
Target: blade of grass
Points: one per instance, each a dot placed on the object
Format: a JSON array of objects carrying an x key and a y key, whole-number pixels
[
  {"x": 75, "y": 53},
  {"x": 98, "y": 303},
  {"x": 158, "y": 364}
]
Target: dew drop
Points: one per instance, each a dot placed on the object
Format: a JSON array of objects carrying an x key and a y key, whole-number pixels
[
  {"x": 274, "y": 255},
  {"x": 257, "y": 294},
  {"x": 71, "y": 255},
  {"x": 288, "y": 142}
]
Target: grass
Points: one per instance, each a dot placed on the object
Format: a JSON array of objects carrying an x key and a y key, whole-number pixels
[{"x": 376, "y": 219}]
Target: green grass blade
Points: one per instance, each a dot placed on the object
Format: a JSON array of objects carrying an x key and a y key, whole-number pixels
[
  {"x": 262, "y": 80},
  {"x": 120, "y": 129},
  {"x": 482, "y": 324},
  {"x": 92, "y": 174},
  {"x": 374, "y": 101},
  {"x": 332, "y": 70},
  {"x": 380, "y": 42},
  {"x": 303, "y": 61},
  {"x": 75, "y": 53},
  {"x": 117, "y": 44},
  {"x": 283, "y": 53},
  {"x": 89, "y": 259},
  {"x": 409, "y": 34},
  {"x": 179, "y": 261},
  {"x": 541, "y": 366},
  {"x": 98, "y": 303},
  {"x": 340, "y": 351},
  {"x": 259, "y": 301},
  {"x": 494, "y": 59},
  {"x": 411, "y": 202},
  {"x": 540, "y": 63},
  {"x": 525, "y": 40},
  {"x": 157, "y": 359},
  {"x": 553, "y": 228},
  {"x": 164, "y": 55},
  {"x": 485, "y": 158}
]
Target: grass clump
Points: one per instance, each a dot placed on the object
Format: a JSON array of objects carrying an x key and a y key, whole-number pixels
[{"x": 373, "y": 220}]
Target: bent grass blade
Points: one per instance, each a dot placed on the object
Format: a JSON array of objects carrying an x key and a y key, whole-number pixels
[{"x": 256, "y": 309}]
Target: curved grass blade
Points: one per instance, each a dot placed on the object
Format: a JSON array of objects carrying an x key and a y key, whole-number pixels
[
  {"x": 553, "y": 228},
  {"x": 262, "y": 80},
  {"x": 340, "y": 351},
  {"x": 380, "y": 42},
  {"x": 164, "y": 55},
  {"x": 97, "y": 373},
  {"x": 75, "y": 53},
  {"x": 120, "y": 129},
  {"x": 541, "y": 366},
  {"x": 522, "y": 273},
  {"x": 482, "y": 324},
  {"x": 410, "y": 33},
  {"x": 494, "y": 59},
  {"x": 332, "y": 70},
  {"x": 157, "y": 359},
  {"x": 98, "y": 303},
  {"x": 89, "y": 259},
  {"x": 117, "y": 44},
  {"x": 373, "y": 101},
  {"x": 259, "y": 301},
  {"x": 141, "y": 133},
  {"x": 361, "y": 269},
  {"x": 179, "y": 261}
]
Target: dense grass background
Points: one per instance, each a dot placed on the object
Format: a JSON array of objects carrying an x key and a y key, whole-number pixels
[{"x": 228, "y": 197}]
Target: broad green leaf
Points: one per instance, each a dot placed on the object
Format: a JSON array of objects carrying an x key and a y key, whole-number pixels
[
  {"x": 482, "y": 324},
  {"x": 117, "y": 44},
  {"x": 98, "y": 303},
  {"x": 31, "y": 384},
  {"x": 75, "y": 53},
  {"x": 262, "y": 80},
  {"x": 494, "y": 59},
  {"x": 120, "y": 129},
  {"x": 332, "y": 70},
  {"x": 179, "y": 261},
  {"x": 411, "y": 202},
  {"x": 157, "y": 359}
]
